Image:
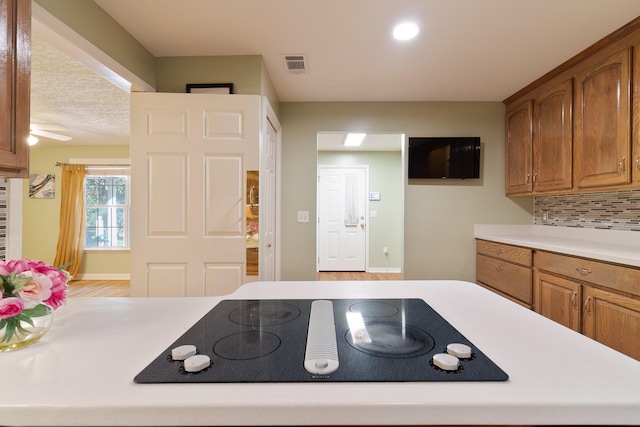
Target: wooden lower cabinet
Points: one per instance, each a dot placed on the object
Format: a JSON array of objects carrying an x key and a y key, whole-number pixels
[
  {"x": 558, "y": 299},
  {"x": 612, "y": 319},
  {"x": 505, "y": 269}
]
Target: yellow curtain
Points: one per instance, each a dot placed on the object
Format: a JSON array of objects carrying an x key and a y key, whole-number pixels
[{"x": 72, "y": 218}]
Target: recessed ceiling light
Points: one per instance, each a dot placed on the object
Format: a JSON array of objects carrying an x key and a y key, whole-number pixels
[
  {"x": 354, "y": 139},
  {"x": 405, "y": 31}
]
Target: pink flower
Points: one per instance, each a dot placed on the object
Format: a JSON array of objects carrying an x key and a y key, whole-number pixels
[
  {"x": 57, "y": 278},
  {"x": 10, "y": 307},
  {"x": 36, "y": 291},
  {"x": 58, "y": 295}
]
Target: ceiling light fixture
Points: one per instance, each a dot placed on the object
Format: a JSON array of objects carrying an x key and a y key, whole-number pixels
[
  {"x": 32, "y": 140},
  {"x": 405, "y": 31},
  {"x": 354, "y": 139}
]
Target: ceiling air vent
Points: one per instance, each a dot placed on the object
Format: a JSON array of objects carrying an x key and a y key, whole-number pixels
[{"x": 296, "y": 64}]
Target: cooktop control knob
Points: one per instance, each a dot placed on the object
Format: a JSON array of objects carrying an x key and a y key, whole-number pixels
[
  {"x": 197, "y": 363},
  {"x": 183, "y": 352},
  {"x": 446, "y": 362},
  {"x": 461, "y": 351}
]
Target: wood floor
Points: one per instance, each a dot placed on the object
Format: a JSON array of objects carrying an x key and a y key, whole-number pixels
[{"x": 120, "y": 288}]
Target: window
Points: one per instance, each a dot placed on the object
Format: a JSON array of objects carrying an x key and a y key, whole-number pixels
[{"x": 107, "y": 207}]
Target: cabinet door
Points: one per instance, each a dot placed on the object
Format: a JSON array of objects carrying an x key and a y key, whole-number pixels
[
  {"x": 603, "y": 130},
  {"x": 519, "y": 149},
  {"x": 557, "y": 299},
  {"x": 613, "y": 320},
  {"x": 635, "y": 120},
  {"x": 552, "y": 138},
  {"x": 15, "y": 75}
]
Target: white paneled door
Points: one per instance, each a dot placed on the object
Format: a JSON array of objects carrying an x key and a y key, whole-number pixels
[
  {"x": 189, "y": 157},
  {"x": 342, "y": 207}
]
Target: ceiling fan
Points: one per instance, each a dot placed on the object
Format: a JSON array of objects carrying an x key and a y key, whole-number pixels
[{"x": 47, "y": 130}]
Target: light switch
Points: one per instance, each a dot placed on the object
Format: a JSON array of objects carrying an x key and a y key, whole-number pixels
[{"x": 303, "y": 216}]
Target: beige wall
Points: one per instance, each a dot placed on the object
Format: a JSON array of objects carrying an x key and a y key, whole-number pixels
[
  {"x": 438, "y": 215},
  {"x": 41, "y": 217},
  {"x": 385, "y": 176},
  {"x": 92, "y": 23},
  {"x": 247, "y": 73}
]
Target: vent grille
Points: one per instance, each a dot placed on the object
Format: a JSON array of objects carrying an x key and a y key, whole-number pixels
[{"x": 296, "y": 64}]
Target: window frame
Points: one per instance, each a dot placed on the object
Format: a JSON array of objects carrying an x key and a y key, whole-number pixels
[{"x": 109, "y": 168}]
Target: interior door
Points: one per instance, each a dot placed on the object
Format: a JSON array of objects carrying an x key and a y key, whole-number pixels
[
  {"x": 267, "y": 265},
  {"x": 342, "y": 206},
  {"x": 189, "y": 157}
]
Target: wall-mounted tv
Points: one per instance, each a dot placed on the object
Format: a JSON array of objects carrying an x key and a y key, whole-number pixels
[{"x": 444, "y": 157}]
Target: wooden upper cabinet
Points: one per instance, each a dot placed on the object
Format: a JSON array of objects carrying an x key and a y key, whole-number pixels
[
  {"x": 519, "y": 149},
  {"x": 635, "y": 119},
  {"x": 602, "y": 129},
  {"x": 552, "y": 138},
  {"x": 15, "y": 75}
]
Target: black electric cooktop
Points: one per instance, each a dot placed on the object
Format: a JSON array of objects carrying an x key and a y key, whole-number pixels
[{"x": 339, "y": 340}]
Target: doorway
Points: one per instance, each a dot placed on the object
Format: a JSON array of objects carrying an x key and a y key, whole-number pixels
[
  {"x": 342, "y": 214},
  {"x": 380, "y": 220}
]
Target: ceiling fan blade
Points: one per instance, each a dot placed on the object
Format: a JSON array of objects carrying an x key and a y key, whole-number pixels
[
  {"x": 51, "y": 135},
  {"x": 49, "y": 126}
]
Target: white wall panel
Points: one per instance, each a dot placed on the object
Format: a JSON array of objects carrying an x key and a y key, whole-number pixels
[
  {"x": 224, "y": 186},
  {"x": 167, "y": 123},
  {"x": 167, "y": 194},
  {"x": 224, "y": 124},
  {"x": 167, "y": 280},
  {"x": 222, "y": 279}
]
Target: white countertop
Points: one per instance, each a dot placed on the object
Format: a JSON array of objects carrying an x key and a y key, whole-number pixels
[
  {"x": 621, "y": 247},
  {"x": 81, "y": 373}
]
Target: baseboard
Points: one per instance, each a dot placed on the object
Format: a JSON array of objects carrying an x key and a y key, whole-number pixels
[
  {"x": 384, "y": 270},
  {"x": 123, "y": 276}
]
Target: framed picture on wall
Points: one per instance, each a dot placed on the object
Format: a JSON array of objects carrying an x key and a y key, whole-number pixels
[
  {"x": 42, "y": 186},
  {"x": 216, "y": 88}
]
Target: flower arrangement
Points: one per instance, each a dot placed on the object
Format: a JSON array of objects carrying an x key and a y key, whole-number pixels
[{"x": 28, "y": 289}]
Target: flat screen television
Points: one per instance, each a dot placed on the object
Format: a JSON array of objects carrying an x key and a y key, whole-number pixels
[{"x": 444, "y": 157}]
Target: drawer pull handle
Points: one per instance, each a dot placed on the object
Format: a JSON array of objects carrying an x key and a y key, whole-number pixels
[
  {"x": 573, "y": 300},
  {"x": 621, "y": 165},
  {"x": 583, "y": 271},
  {"x": 526, "y": 178},
  {"x": 498, "y": 268},
  {"x": 638, "y": 163},
  {"x": 587, "y": 305},
  {"x": 499, "y": 251}
]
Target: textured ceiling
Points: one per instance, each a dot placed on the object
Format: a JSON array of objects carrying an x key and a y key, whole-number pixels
[{"x": 65, "y": 92}]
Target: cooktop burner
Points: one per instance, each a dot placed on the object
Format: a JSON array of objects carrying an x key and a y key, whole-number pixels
[{"x": 321, "y": 340}]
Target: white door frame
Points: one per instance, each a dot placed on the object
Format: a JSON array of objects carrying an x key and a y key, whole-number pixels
[
  {"x": 366, "y": 210},
  {"x": 272, "y": 120}
]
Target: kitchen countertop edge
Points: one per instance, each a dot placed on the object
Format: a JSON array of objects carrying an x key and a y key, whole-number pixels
[{"x": 615, "y": 246}]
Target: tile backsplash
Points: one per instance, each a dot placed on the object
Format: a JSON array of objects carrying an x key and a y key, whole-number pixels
[{"x": 613, "y": 210}]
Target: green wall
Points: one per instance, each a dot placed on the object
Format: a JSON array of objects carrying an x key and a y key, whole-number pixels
[
  {"x": 438, "y": 215},
  {"x": 385, "y": 176},
  {"x": 41, "y": 217}
]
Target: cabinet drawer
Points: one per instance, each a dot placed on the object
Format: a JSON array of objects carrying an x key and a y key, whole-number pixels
[
  {"x": 509, "y": 253},
  {"x": 618, "y": 277},
  {"x": 511, "y": 279}
]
